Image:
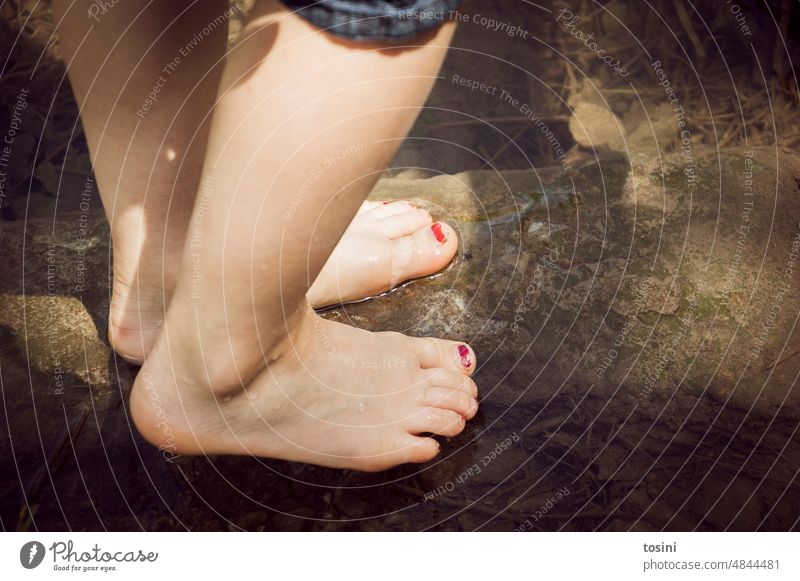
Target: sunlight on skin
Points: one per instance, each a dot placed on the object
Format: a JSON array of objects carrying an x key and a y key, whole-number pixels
[
  {"x": 243, "y": 365},
  {"x": 133, "y": 218}
]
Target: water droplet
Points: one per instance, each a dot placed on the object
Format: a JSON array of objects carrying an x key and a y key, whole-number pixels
[
  {"x": 361, "y": 407},
  {"x": 226, "y": 399},
  {"x": 251, "y": 395}
]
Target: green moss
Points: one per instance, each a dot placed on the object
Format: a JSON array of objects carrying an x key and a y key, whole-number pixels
[{"x": 706, "y": 306}]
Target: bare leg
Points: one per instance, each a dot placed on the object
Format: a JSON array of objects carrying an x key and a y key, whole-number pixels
[
  {"x": 243, "y": 365},
  {"x": 148, "y": 164},
  {"x": 148, "y": 155}
]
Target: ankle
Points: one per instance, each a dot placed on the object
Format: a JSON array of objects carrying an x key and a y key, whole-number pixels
[{"x": 221, "y": 359}]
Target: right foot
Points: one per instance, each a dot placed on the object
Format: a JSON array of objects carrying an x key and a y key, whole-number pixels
[
  {"x": 336, "y": 396},
  {"x": 386, "y": 244}
]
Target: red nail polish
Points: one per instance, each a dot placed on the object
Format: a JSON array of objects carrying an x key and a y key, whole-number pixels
[
  {"x": 463, "y": 352},
  {"x": 439, "y": 234}
]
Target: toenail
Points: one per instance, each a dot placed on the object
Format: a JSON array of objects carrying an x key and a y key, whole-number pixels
[
  {"x": 439, "y": 233},
  {"x": 463, "y": 352}
]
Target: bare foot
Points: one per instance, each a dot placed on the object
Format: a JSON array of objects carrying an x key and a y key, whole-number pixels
[
  {"x": 385, "y": 245},
  {"x": 338, "y": 396}
]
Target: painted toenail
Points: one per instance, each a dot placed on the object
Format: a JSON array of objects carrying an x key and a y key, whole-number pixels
[
  {"x": 439, "y": 233},
  {"x": 463, "y": 352}
]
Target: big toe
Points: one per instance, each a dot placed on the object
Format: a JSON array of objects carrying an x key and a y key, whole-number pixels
[
  {"x": 452, "y": 355},
  {"x": 426, "y": 251}
]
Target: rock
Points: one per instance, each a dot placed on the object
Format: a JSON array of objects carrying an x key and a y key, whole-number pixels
[
  {"x": 594, "y": 126},
  {"x": 651, "y": 130},
  {"x": 54, "y": 297},
  {"x": 59, "y": 336},
  {"x": 641, "y": 283},
  {"x": 592, "y": 123}
]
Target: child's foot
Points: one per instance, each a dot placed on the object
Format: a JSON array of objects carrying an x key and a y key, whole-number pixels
[
  {"x": 337, "y": 396},
  {"x": 386, "y": 244}
]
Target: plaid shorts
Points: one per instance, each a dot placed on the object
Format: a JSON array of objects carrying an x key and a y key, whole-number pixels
[{"x": 375, "y": 20}]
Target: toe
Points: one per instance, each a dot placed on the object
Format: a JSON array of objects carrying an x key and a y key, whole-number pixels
[
  {"x": 385, "y": 209},
  {"x": 398, "y": 449},
  {"x": 418, "y": 450},
  {"x": 404, "y": 224},
  {"x": 367, "y": 206},
  {"x": 441, "y": 377},
  {"x": 451, "y": 355},
  {"x": 426, "y": 251},
  {"x": 451, "y": 399},
  {"x": 434, "y": 420}
]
